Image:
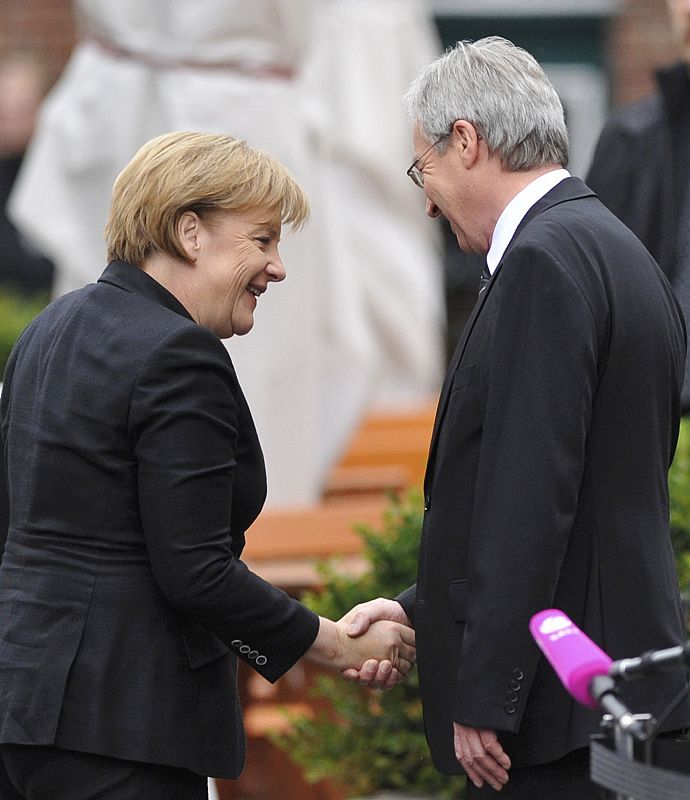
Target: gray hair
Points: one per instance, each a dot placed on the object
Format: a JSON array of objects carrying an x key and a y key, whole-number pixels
[{"x": 503, "y": 92}]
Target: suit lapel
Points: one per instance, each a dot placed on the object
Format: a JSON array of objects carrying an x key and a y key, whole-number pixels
[
  {"x": 566, "y": 190},
  {"x": 452, "y": 368}
]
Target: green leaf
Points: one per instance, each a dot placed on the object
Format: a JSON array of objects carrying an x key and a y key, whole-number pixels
[{"x": 367, "y": 741}]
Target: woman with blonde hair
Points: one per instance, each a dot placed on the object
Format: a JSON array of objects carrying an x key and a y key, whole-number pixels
[{"x": 133, "y": 471}]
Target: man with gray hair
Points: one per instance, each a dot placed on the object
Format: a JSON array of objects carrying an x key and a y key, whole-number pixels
[{"x": 546, "y": 484}]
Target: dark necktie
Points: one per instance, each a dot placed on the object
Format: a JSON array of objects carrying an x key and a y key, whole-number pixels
[{"x": 484, "y": 278}]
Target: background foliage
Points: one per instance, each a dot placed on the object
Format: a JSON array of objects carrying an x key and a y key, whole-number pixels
[
  {"x": 368, "y": 741},
  {"x": 16, "y": 311},
  {"x": 679, "y": 485}
]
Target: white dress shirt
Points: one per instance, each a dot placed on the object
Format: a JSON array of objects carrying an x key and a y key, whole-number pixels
[{"x": 515, "y": 211}]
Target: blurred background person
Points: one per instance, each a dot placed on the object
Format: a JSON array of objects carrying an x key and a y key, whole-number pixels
[
  {"x": 22, "y": 86},
  {"x": 641, "y": 168},
  {"x": 317, "y": 83}
]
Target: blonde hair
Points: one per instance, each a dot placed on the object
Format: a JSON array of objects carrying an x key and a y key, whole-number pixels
[{"x": 184, "y": 171}]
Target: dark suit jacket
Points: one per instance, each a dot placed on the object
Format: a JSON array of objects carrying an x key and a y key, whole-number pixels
[
  {"x": 546, "y": 483},
  {"x": 641, "y": 165},
  {"x": 133, "y": 470}
]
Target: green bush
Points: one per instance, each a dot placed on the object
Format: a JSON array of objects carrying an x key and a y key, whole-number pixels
[
  {"x": 679, "y": 486},
  {"x": 362, "y": 740},
  {"x": 16, "y": 311}
]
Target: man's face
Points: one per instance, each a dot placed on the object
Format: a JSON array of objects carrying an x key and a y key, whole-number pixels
[
  {"x": 447, "y": 189},
  {"x": 679, "y": 15}
]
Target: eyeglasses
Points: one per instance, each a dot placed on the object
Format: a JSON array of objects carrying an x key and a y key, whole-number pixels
[{"x": 415, "y": 174}]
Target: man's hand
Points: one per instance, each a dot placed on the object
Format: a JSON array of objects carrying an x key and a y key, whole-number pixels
[
  {"x": 361, "y": 616},
  {"x": 388, "y": 645},
  {"x": 374, "y": 674},
  {"x": 481, "y": 756}
]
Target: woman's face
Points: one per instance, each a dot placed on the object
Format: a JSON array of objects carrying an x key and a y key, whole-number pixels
[{"x": 236, "y": 259}]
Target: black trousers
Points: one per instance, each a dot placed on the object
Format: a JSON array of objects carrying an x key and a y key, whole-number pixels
[
  {"x": 565, "y": 779},
  {"x": 32, "y": 772}
]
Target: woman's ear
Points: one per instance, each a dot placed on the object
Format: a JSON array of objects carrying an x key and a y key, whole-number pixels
[{"x": 189, "y": 234}]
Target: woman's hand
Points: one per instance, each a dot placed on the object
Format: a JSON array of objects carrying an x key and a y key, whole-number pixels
[
  {"x": 374, "y": 674},
  {"x": 384, "y": 653}
]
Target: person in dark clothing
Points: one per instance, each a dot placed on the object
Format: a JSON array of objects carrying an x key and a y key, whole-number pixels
[
  {"x": 22, "y": 85},
  {"x": 539, "y": 491},
  {"x": 641, "y": 169},
  {"x": 133, "y": 470}
]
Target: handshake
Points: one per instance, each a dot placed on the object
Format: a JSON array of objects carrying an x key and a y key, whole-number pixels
[{"x": 373, "y": 644}]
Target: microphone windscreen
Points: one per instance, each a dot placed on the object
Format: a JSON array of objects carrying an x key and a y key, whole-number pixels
[{"x": 572, "y": 654}]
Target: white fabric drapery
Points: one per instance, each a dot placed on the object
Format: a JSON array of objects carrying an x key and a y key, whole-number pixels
[{"x": 319, "y": 84}]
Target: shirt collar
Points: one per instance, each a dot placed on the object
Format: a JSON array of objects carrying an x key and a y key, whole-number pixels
[{"x": 514, "y": 212}]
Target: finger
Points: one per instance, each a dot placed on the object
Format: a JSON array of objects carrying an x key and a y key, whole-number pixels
[
  {"x": 369, "y": 670},
  {"x": 382, "y": 675},
  {"x": 472, "y": 774},
  {"x": 364, "y": 675},
  {"x": 403, "y": 665},
  {"x": 408, "y": 653},
  {"x": 483, "y": 768},
  {"x": 373, "y": 674},
  {"x": 484, "y": 763},
  {"x": 493, "y": 747},
  {"x": 359, "y": 624},
  {"x": 489, "y": 774},
  {"x": 373, "y": 677},
  {"x": 470, "y": 752},
  {"x": 408, "y": 636},
  {"x": 393, "y": 679}
]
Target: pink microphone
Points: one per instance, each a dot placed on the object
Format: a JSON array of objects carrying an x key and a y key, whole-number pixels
[{"x": 574, "y": 656}]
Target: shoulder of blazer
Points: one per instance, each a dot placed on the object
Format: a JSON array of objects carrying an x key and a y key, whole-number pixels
[
  {"x": 133, "y": 279},
  {"x": 567, "y": 191}
]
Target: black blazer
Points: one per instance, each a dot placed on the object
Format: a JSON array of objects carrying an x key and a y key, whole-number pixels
[
  {"x": 641, "y": 172},
  {"x": 133, "y": 470},
  {"x": 546, "y": 483},
  {"x": 641, "y": 164}
]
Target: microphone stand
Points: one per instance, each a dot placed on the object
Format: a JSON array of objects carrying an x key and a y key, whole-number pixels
[
  {"x": 630, "y": 732},
  {"x": 648, "y": 663},
  {"x": 629, "y": 766}
]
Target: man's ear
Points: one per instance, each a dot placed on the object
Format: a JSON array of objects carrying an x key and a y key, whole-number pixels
[
  {"x": 188, "y": 234},
  {"x": 466, "y": 139}
]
